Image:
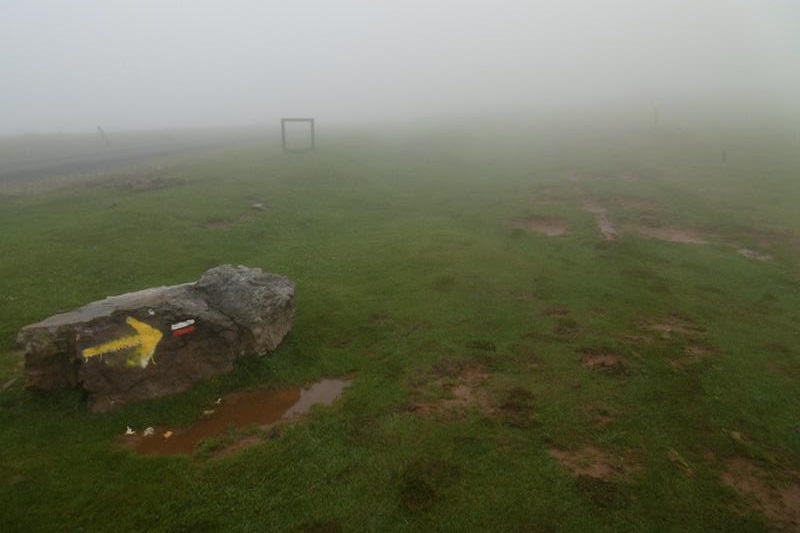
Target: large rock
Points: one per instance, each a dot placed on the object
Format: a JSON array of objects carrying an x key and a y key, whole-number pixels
[{"x": 159, "y": 341}]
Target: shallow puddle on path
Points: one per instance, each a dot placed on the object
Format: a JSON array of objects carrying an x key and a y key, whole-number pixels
[{"x": 239, "y": 410}]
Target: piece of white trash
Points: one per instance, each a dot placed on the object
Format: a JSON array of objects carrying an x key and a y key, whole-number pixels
[
  {"x": 129, "y": 431},
  {"x": 149, "y": 431}
]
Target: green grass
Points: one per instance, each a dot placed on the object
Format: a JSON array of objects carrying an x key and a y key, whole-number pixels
[{"x": 408, "y": 270}]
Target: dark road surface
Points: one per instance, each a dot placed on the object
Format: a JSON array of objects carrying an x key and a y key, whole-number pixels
[{"x": 112, "y": 157}]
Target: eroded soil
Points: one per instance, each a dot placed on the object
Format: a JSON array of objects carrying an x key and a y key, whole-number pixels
[
  {"x": 595, "y": 463},
  {"x": 601, "y": 359},
  {"x": 673, "y": 234},
  {"x": 463, "y": 384},
  {"x": 776, "y": 497},
  {"x": 753, "y": 254},
  {"x": 601, "y": 220},
  {"x": 674, "y": 325}
]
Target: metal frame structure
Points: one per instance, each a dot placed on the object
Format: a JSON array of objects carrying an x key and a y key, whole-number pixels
[{"x": 310, "y": 121}]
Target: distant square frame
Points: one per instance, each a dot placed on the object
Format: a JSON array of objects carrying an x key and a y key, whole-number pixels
[{"x": 310, "y": 121}]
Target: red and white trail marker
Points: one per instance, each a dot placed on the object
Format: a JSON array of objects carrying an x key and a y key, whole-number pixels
[{"x": 182, "y": 328}]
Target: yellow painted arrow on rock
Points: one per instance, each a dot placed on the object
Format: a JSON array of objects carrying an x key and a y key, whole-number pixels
[{"x": 145, "y": 342}]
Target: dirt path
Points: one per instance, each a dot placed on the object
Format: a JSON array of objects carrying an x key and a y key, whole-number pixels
[{"x": 604, "y": 224}]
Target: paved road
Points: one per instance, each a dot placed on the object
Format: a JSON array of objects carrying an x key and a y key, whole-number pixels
[{"x": 108, "y": 159}]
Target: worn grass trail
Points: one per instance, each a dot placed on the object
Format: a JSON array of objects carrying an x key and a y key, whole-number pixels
[{"x": 503, "y": 380}]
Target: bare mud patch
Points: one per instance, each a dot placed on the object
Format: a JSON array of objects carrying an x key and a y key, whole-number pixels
[
  {"x": 601, "y": 220},
  {"x": 777, "y": 497},
  {"x": 674, "y": 325},
  {"x": 462, "y": 382},
  {"x": 697, "y": 351},
  {"x": 753, "y": 254},
  {"x": 602, "y": 360},
  {"x": 550, "y": 226},
  {"x": 693, "y": 353},
  {"x": 650, "y": 229},
  {"x": 771, "y": 238},
  {"x": 261, "y": 409},
  {"x": 673, "y": 234},
  {"x": 591, "y": 206},
  {"x": 607, "y": 229},
  {"x": 595, "y": 463}
]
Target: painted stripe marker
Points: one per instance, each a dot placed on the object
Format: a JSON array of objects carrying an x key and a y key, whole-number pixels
[{"x": 182, "y": 328}]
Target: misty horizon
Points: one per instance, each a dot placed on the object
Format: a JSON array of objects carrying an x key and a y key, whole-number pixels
[{"x": 151, "y": 65}]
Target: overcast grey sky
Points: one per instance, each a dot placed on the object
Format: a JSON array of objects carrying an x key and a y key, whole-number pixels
[{"x": 68, "y": 65}]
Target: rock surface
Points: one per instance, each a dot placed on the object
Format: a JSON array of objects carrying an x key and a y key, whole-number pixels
[{"x": 159, "y": 341}]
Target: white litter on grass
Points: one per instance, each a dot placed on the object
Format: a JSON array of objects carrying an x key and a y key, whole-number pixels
[
  {"x": 130, "y": 431},
  {"x": 149, "y": 431}
]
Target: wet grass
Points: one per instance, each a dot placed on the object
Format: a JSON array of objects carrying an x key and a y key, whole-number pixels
[{"x": 409, "y": 270}]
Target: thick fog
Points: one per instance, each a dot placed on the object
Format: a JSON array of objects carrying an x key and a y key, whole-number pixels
[{"x": 71, "y": 65}]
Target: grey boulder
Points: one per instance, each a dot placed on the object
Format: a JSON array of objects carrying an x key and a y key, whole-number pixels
[{"x": 159, "y": 341}]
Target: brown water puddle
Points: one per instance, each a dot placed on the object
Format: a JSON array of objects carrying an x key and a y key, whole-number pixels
[{"x": 240, "y": 410}]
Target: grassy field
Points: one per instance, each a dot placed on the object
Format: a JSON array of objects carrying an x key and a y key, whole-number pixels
[{"x": 503, "y": 379}]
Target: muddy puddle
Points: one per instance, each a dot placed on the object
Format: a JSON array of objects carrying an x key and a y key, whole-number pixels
[{"x": 261, "y": 408}]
